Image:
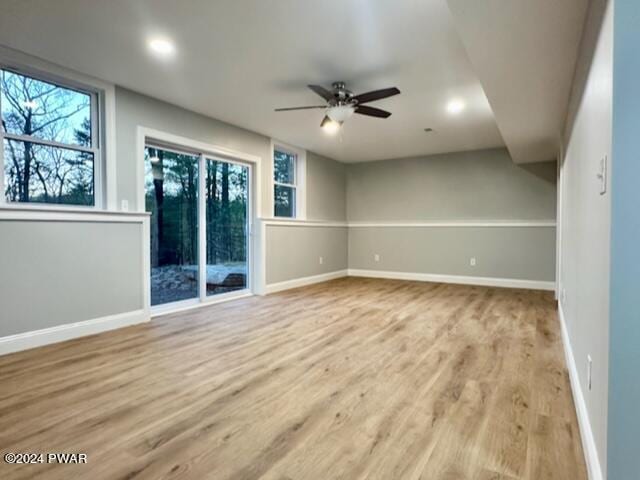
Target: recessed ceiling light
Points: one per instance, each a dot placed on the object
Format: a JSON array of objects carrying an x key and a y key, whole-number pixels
[
  {"x": 331, "y": 127},
  {"x": 455, "y": 106},
  {"x": 162, "y": 47}
]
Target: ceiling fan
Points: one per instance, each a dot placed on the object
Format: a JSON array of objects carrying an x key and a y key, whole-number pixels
[{"x": 342, "y": 103}]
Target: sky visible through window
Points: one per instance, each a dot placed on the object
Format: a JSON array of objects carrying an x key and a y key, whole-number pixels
[
  {"x": 35, "y": 111},
  {"x": 40, "y": 109}
]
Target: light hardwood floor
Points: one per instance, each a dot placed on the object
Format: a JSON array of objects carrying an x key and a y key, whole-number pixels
[{"x": 351, "y": 379}]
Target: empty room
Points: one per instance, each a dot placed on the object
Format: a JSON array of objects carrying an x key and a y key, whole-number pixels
[{"x": 319, "y": 240}]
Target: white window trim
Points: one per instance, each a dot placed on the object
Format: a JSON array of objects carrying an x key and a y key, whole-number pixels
[
  {"x": 301, "y": 180},
  {"x": 104, "y": 111}
]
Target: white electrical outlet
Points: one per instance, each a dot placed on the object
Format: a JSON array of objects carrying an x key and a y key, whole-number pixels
[
  {"x": 376, "y": 258},
  {"x": 124, "y": 205},
  {"x": 472, "y": 261},
  {"x": 563, "y": 296},
  {"x": 320, "y": 260},
  {"x": 589, "y": 371}
]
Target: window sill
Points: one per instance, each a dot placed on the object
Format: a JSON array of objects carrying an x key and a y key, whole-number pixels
[
  {"x": 301, "y": 222},
  {"x": 281, "y": 219},
  {"x": 70, "y": 214}
]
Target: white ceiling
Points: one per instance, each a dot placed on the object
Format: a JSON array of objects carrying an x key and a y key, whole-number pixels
[{"x": 237, "y": 60}]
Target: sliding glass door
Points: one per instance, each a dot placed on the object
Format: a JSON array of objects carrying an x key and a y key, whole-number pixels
[
  {"x": 171, "y": 195},
  {"x": 199, "y": 225},
  {"x": 226, "y": 226}
]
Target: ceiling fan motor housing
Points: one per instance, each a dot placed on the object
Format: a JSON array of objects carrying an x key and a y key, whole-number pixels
[{"x": 343, "y": 96}]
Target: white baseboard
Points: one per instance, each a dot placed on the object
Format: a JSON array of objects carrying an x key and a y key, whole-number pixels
[
  {"x": 301, "y": 282},
  {"x": 458, "y": 279},
  {"x": 60, "y": 333},
  {"x": 586, "y": 433}
]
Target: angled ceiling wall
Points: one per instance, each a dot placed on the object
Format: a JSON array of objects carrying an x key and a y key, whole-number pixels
[{"x": 524, "y": 53}]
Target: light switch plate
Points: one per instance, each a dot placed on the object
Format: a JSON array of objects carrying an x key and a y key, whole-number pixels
[{"x": 602, "y": 175}]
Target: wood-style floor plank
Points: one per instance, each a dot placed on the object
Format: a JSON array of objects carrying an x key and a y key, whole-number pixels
[{"x": 350, "y": 379}]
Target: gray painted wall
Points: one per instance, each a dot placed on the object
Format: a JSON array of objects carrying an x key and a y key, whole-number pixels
[
  {"x": 624, "y": 367},
  {"x": 55, "y": 273},
  {"x": 470, "y": 186},
  {"x": 585, "y": 218},
  {"x": 326, "y": 188},
  {"x": 523, "y": 253},
  {"x": 479, "y": 185},
  {"x": 133, "y": 110},
  {"x": 286, "y": 260}
]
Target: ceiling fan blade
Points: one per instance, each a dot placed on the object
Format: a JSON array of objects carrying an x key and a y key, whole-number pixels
[
  {"x": 376, "y": 95},
  {"x": 299, "y": 108},
  {"x": 372, "y": 112},
  {"x": 325, "y": 120},
  {"x": 323, "y": 92}
]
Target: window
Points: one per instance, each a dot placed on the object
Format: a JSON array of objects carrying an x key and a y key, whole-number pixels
[
  {"x": 284, "y": 183},
  {"x": 50, "y": 152}
]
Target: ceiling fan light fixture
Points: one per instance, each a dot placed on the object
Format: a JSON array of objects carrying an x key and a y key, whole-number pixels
[
  {"x": 340, "y": 113},
  {"x": 331, "y": 127}
]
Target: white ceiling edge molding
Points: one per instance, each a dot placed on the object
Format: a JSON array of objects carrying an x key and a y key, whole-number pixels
[{"x": 524, "y": 53}]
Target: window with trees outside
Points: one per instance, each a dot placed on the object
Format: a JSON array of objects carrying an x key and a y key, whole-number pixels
[
  {"x": 49, "y": 141},
  {"x": 284, "y": 183}
]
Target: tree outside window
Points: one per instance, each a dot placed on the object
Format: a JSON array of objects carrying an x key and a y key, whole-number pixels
[
  {"x": 49, "y": 146},
  {"x": 284, "y": 183}
]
